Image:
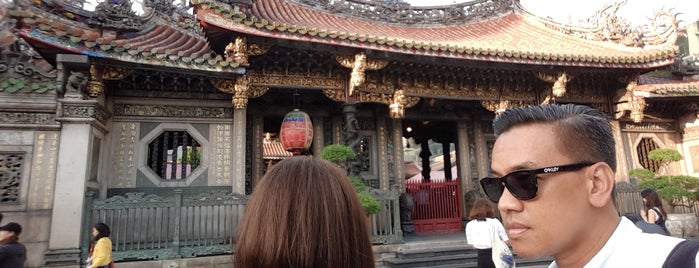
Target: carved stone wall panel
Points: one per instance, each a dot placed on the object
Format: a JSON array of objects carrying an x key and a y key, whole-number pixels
[
  {"x": 649, "y": 126},
  {"x": 125, "y": 136},
  {"x": 30, "y": 119},
  {"x": 691, "y": 133},
  {"x": 82, "y": 110},
  {"x": 43, "y": 173},
  {"x": 222, "y": 154}
]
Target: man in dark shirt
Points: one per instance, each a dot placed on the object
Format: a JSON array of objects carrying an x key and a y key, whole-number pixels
[{"x": 12, "y": 253}]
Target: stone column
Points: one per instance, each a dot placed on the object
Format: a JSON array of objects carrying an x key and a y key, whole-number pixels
[
  {"x": 621, "y": 164},
  {"x": 318, "y": 138},
  {"x": 239, "y": 126},
  {"x": 463, "y": 161},
  {"x": 399, "y": 168},
  {"x": 383, "y": 152},
  {"x": 258, "y": 164},
  {"x": 81, "y": 119}
]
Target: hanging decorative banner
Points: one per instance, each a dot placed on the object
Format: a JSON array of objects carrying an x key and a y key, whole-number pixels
[{"x": 296, "y": 132}]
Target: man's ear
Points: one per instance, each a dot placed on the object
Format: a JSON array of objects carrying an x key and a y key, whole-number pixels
[{"x": 602, "y": 182}]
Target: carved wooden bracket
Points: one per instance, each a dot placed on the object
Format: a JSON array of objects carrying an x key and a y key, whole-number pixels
[
  {"x": 359, "y": 64},
  {"x": 240, "y": 88},
  {"x": 632, "y": 102},
  {"x": 560, "y": 81},
  {"x": 95, "y": 87}
]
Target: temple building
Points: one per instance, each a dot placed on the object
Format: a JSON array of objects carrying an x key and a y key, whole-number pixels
[{"x": 160, "y": 123}]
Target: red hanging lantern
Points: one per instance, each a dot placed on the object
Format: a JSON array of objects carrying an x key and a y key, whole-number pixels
[{"x": 296, "y": 132}]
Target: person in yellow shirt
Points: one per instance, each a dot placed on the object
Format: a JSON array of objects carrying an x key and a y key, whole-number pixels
[{"x": 101, "y": 249}]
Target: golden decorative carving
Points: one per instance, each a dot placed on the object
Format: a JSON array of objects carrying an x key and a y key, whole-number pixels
[
  {"x": 335, "y": 94},
  {"x": 296, "y": 81},
  {"x": 237, "y": 51},
  {"x": 359, "y": 65},
  {"x": 560, "y": 81},
  {"x": 496, "y": 106},
  {"x": 257, "y": 91},
  {"x": 499, "y": 106},
  {"x": 396, "y": 109},
  {"x": 115, "y": 73},
  {"x": 636, "y": 104},
  {"x": 257, "y": 49},
  {"x": 95, "y": 87},
  {"x": 240, "y": 99},
  {"x": 224, "y": 85}
]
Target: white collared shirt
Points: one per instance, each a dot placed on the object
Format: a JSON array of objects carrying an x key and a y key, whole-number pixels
[
  {"x": 629, "y": 247},
  {"x": 480, "y": 233}
]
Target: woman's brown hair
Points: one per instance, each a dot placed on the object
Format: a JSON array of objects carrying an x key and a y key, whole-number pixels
[
  {"x": 482, "y": 208},
  {"x": 304, "y": 213}
]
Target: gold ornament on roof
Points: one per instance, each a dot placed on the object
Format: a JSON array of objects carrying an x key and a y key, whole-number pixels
[{"x": 359, "y": 64}]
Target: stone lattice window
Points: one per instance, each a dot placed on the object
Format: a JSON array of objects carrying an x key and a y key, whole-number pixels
[
  {"x": 643, "y": 148},
  {"x": 173, "y": 155},
  {"x": 10, "y": 177}
]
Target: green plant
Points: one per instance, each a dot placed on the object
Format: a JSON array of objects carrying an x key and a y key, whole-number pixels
[
  {"x": 641, "y": 174},
  {"x": 664, "y": 156},
  {"x": 369, "y": 203},
  {"x": 676, "y": 190},
  {"x": 338, "y": 153}
]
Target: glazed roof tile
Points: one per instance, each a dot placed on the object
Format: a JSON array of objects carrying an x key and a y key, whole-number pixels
[
  {"x": 160, "y": 44},
  {"x": 516, "y": 37},
  {"x": 274, "y": 150},
  {"x": 658, "y": 87}
]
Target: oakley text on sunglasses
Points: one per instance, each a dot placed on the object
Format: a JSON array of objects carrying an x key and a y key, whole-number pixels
[{"x": 523, "y": 183}]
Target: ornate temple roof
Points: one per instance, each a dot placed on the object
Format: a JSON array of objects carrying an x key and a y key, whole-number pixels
[
  {"x": 487, "y": 30},
  {"x": 162, "y": 37},
  {"x": 22, "y": 69}
]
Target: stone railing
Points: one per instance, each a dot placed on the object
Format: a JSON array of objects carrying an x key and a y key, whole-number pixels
[{"x": 183, "y": 224}]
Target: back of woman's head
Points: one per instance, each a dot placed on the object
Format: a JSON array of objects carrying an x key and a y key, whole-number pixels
[
  {"x": 304, "y": 213},
  {"x": 102, "y": 230},
  {"x": 482, "y": 208},
  {"x": 652, "y": 198}
]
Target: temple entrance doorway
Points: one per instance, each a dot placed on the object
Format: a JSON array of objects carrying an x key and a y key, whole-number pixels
[{"x": 431, "y": 175}]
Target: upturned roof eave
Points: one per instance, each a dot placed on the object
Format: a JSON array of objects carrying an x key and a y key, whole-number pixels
[{"x": 632, "y": 58}]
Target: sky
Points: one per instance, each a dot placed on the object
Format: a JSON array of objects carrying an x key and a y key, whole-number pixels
[{"x": 636, "y": 12}]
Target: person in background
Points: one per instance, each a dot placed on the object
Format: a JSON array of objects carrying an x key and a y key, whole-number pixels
[
  {"x": 482, "y": 229},
  {"x": 645, "y": 227},
  {"x": 553, "y": 174},
  {"x": 304, "y": 213},
  {"x": 12, "y": 253},
  {"x": 654, "y": 212},
  {"x": 101, "y": 249}
]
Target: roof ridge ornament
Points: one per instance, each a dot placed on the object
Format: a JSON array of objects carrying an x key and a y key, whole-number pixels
[
  {"x": 116, "y": 14},
  {"x": 606, "y": 25},
  {"x": 400, "y": 12}
]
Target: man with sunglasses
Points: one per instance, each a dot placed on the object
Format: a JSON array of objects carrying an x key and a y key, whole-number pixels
[{"x": 553, "y": 178}]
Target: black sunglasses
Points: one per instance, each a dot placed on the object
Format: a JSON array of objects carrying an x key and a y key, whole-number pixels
[{"x": 523, "y": 184}]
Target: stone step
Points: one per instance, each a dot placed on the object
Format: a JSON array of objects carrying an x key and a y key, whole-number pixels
[{"x": 450, "y": 256}]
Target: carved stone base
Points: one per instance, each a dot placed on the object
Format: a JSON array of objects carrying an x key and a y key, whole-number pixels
[
  {"x": 407, "y": 228},
  {"x": 62, "y": 257}
]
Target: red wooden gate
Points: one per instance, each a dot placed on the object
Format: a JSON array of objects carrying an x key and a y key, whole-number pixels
[{"x": 437, "y": 206}]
